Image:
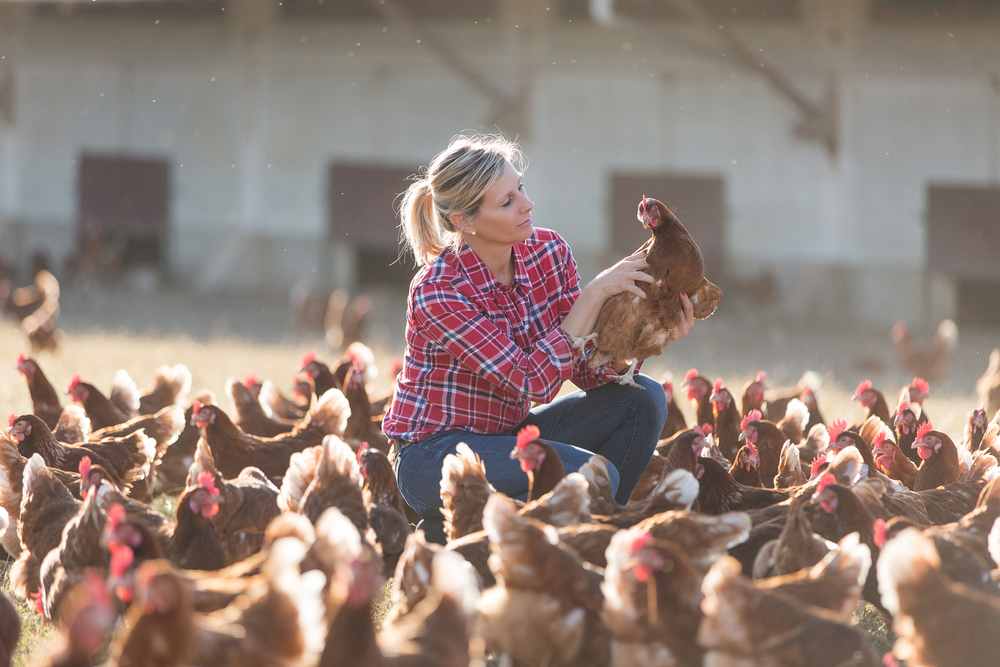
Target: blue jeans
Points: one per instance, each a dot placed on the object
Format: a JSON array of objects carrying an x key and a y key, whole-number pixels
[{"x": 620, "y": 423}]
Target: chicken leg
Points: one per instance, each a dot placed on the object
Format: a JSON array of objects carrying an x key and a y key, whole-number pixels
[{"x": 627, "y": 377}]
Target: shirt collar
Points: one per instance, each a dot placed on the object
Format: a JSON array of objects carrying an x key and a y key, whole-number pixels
[{"x": 482, "y": 278}]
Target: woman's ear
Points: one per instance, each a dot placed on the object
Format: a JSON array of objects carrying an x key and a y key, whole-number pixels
[{"x": 462, "y": 223}]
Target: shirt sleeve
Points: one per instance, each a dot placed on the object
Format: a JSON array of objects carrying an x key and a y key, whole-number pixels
[
  {"x": 449, "y": 319},
  {"x": 583, "y": 376}
]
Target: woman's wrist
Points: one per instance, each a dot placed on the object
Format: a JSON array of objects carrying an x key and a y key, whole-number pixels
[{"x": 582, "y": 317}]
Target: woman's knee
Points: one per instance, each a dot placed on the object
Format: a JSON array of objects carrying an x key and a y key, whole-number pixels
[{"x": 653, "y": 401}]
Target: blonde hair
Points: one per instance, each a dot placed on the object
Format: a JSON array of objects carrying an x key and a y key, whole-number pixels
[{"x": 455, "y": 182}]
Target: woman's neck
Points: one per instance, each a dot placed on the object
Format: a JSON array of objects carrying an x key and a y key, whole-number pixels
[{"x": 499, "y": 259}]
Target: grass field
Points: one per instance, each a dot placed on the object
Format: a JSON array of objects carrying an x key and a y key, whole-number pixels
[{"x": 133, "y": 333}]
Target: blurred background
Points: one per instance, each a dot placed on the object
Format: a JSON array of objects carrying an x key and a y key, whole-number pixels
[{"x": 213, "y": 167}]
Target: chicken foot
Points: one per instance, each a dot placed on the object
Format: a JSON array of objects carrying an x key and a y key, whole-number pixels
[
  {"x": 579, "y": 343},
  {"x": 626, "y": 378}
]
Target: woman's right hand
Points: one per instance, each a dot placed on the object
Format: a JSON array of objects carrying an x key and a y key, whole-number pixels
[{"x": 622, "y": 277}]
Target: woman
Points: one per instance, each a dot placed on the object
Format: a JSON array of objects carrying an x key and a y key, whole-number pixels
[{"x": 490, "y": 325}]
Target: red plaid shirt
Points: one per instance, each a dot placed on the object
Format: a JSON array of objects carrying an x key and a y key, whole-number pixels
[{"x": 478, "y": 353}]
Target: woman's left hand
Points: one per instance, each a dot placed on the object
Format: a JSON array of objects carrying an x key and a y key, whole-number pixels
[{"x": 686, "y": 322}]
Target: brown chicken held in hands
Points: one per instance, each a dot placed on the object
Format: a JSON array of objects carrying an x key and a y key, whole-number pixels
[{"x": 630, "y": 328}]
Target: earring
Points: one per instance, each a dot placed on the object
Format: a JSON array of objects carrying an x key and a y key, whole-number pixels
[{"x": 473, "y": 232}]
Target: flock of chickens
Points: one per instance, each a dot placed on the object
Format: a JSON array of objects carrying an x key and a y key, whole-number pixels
[{"x": 752, "y": 539}]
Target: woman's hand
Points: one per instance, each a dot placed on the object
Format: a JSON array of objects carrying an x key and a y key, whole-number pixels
[
  {"x": 687, "y": 320},
  {"x": 621, "y": 278}
]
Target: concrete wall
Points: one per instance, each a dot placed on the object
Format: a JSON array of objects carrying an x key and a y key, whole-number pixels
[{"x": 251, "y": 110}]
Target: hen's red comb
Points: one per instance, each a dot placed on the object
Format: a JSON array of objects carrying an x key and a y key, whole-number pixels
[
  {"x": 752, "y": 416},
  {"x": 206, "y": 480},
  {"x": 864, "y": 386},
  {"x": 307, "y": 359},
  {"x": 691, "y": 374},
  {"x": 196, "y": 407},
  {"x": 924, "y": 429},
  {"x": 761, "y": 376},
  {"x": 825, "y": 481},
  {"x": 718, "y": 386},
  {"x": 11, "y": 419},
  {"x": 362, "y": 450},
  {"x": 642, "y": 539},
  {"x": 122, "y": 557},
  {"x": 836, "y": 428},
  {"x": 752, "y": 448},
  {"x": 37, "y": 597},
  {"x": 904, "y": 404},
  {"x": 704, "y": 430},
  {"x": 807, "y": 391},
  {"x": 817, "y": 465},
  {"x": 72, "y": 383},
  {"x": 527, "y": 434},
  {"x": 879, "y": 530},
  {"x": 250, "y": 380},
  {"x": 84, "y": 467},
  {"x": 20, "y": 359},
  {"x": 115, "y": 516},
  {"x": 922, "y": 385},
  {"x": 879, "y": 438}
]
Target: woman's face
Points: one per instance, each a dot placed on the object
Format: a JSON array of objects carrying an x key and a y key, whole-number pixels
[{"x": 505, "y": 214}]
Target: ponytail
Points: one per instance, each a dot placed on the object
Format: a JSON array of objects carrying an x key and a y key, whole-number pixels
[
  {"x": 423, "y": 229},
  {"x": 456, "y": 182}
]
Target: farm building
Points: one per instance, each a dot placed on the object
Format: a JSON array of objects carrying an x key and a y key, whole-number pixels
[{"x": 840, "y": 157}]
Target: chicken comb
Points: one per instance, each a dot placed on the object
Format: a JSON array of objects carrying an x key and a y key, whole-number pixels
[
  {"x": 72, "y": 383},
  {"x": 761, "y": 376},
  {"x": 115, "y": 516},
  {"x": 20, "y": 359},
  {"x": 863, "y": 387},
  {"x": 206, "y": 480},
  {"x": 879, "y": 529},
  {"x": 752, "y": 416},
  {"x": 817, "y": 465},
  {"x": 753, "y": 449},
  {"x": 691, "y": 374},
  {"x": 122, "y": 557},
  {"x": 641, "y": 540},
  {"x": 362, "y": 450},
  {"x": 527, "y": 434},
  {"x": 250, "y": 380},
  {"x": 718, "y": 386},
  {"x": 836, "y": 428},
  {"x": 924, "y": 429},
  {"x": 11, "y": 419},
  {"x": 704, "y": 430},
  {"x": 825, "y": 481},
  {"x": 307, "y": 358},
  {"x": 922, "y": 385},
  {"x": 644, "y": 205},
  {"x": 196, "y": 407},
  {"x": 904, "y": 404},
  {"x": 84, "y": 467},
  {"x": 807, "y": 391},
  {"x": 879, "y": 437},
  {"x": 37, "y": 597}
]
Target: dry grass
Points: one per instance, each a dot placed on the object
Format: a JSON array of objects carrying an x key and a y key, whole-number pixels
[{"x": 731, "y": 349}]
